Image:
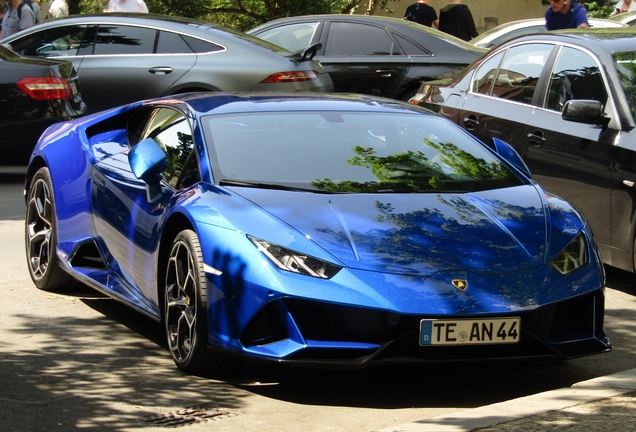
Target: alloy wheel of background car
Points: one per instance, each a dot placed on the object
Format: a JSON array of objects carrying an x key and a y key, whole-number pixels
[
  {"x": 185, "y": 304},
  {"x": 41, "y": 235}
]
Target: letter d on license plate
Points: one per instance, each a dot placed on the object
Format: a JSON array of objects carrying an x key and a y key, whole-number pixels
[{"x": 470, "y": 331}]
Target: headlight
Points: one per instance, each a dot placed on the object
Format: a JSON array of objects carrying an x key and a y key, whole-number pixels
[
  {"x": 573, "y": 257},
  {"x": 287, "y": 259}
]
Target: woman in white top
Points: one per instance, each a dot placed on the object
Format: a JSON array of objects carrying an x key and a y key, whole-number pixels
[
  {"x": 126, "y": 6},
  {"x": 624, "y": 6}
]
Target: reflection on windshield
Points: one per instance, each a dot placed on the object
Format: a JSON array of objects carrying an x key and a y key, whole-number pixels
[
  {"x": 352, "y": 152},
  {"x": 626, "y": 67}
]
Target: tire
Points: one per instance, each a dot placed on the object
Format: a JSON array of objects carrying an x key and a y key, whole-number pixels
[
  {"x": 41, "y": 236},
  {"x": 185, "y": 305}
]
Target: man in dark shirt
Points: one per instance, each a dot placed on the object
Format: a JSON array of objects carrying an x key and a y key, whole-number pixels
[
  {"x": 422, "y": 13},
  {"x": 456, "y": 19}
]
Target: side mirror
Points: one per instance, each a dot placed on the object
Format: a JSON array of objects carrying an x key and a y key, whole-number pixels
[
  {"x": 511, "y": 156},
  {"x": 147, "y": 162},
  {"x": 586, "y": 111}
]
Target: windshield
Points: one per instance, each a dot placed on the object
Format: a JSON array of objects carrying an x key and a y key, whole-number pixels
[
  {"x": 626, "y": 67},
  {"x": 351, "y": 152}
]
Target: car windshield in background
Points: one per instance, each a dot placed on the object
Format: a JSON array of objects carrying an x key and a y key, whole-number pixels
[
  {"x": 626, "y": 67},
  {"x": 350, "y": 152}
]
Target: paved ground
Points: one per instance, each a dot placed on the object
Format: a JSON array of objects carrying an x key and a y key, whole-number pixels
[{"x": 600, "y": 404}]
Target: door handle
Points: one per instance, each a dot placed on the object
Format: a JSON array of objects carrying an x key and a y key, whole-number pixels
[
  {"x": 536, "y": 139},
  {"x": 471, "y": 122},
  {"x": 160, "y": 70},
  {"x": 385, "y": 73}
]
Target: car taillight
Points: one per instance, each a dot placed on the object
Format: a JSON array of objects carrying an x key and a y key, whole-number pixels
[
  {"x": 293, "y": 76},
  {"x": 45, "y": 88}
]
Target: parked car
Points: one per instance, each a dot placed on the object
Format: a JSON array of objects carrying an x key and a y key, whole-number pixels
[
  {"x": 566, "y": 102},
  {"x": 627, "y": 18},
  {"x": 313, "y": 229},
  {"x": 123, "y": 58},
  {"x": 33, "y": 95},
  {"x": 373, "y": 55},
  {"x": 510, "y": 30}
]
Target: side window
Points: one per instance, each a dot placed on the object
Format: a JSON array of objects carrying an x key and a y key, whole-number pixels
[
  {"x": 293, "y": 37},
  {"x": 520, "y": 71},
  {"x": 575, "y": 76},
  {"x": 485, "y": 75},
  {"x": 56, "y": 42},
  {"x": 119, "y": 39},
  {"x": 409, "y": 47},
  {"x": 171, "y": 130},
  {"x": 344, "y": 40},
  {"x": 172, "y": 43}
]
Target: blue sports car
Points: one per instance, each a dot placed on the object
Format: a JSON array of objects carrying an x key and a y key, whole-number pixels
[{"x": 331, "y": 230}]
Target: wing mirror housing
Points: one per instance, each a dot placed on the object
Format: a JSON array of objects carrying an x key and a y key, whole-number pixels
[
  {"x": 588, "y": 111},
  {"x": 147, "y": 161},
  {"x": 511, "y": 156}
]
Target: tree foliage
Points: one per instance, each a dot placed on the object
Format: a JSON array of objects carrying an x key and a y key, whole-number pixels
[{"x": 241, "y": 14}]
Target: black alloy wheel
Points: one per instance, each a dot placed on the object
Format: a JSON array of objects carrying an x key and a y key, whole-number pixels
[
  {"x": 41, "y": 235},
  {"x": 186, "y": 304}
]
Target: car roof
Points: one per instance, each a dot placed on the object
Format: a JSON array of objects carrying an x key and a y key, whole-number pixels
[
  {"x": 626, "y": 17},
  {"x": 533, "y": 22},
  {"x": 191, "y": 26},
  {"x": 599, "y": 40},
  {"x": 408, "y": 27},
  {"x": 226, "y": 103}
]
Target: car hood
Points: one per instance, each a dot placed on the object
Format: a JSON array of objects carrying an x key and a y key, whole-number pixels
[{"x": 420, "y": 234}]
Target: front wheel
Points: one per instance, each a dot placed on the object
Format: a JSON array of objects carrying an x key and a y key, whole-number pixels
[
  {"x": 185, "y": 305},
  {"x": 41, "y": 235}
]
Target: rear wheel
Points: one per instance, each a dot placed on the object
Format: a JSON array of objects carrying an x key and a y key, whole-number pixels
[
  {"x": 41, "y": 236},
  {"x": 186, "y": 304}
]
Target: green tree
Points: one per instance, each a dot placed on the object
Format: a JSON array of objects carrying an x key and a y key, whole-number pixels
[
  {"x": 241, "y": 14},
  {"x": 599, "y": 8}
]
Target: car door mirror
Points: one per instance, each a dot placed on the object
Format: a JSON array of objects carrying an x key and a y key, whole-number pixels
[
  {"x": 587, "y": 111},
  {"x": 511, "y": 156},
  {"x": 147, "y": 161}
]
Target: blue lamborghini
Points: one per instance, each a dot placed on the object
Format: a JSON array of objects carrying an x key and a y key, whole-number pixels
[{"x": 318, "y": 230}]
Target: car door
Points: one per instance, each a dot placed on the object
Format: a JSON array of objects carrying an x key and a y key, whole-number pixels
[
  {"x": 130, "y": 63},
  {"x": 125, "y": 219},
  {"x": 502, "y": 94},
  {"x": 572, "y": 159},
  {"x": 362, "y": 58}
]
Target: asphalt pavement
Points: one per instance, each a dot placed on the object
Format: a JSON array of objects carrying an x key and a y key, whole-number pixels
[{"x": 601, "y": 404}]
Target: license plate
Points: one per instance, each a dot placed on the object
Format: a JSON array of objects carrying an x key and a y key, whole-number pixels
[
  {"x": 470, "y": 331},
  {"x": 73, "y": 87}
]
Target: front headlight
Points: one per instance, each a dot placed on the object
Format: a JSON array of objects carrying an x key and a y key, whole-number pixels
[
  {"x": 296, "y": 262},
  {"x": 573, "y": 257}
]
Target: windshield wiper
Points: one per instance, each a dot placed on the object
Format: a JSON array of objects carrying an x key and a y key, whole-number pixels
[{"x": 274, "y": 186}]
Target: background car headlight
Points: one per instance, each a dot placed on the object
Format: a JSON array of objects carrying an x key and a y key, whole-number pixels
[
  {"x": 287, "y": 259},
  {"x": 573, "y": 257}
]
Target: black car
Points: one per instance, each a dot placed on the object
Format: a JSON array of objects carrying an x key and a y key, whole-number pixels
[
  {"x": 567, "y": 102},
  {"x": 34, "y": 94},
  {"x": 374, "y": 55},
  {"x": 123, "y": 58}
]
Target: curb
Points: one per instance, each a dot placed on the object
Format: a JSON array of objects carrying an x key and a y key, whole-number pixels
[{"x": 491, "y": 415}]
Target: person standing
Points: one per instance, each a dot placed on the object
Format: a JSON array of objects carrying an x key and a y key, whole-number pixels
[
  {"x": 456, "y": 19},
  {"x": 564, "y": 14},
  {"x": 57, "y": 9},
  {"x": 126, "y": 6},
  {"x": 422, "y": 13},
  {"x": 17, "y": 16},
  {"x": 624, "y": 6}
]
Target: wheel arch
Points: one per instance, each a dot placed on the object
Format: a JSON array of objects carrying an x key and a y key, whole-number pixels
[
  {"x": 34, "y": 166},
  {"x": 176, "y": 223}
]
